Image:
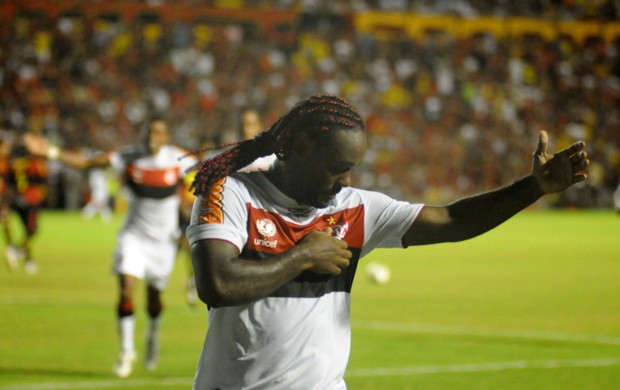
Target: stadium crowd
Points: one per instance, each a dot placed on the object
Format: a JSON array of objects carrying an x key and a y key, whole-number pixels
[
  {"x": 93, "y": 82},
  {"x": 547, "y": 9}
]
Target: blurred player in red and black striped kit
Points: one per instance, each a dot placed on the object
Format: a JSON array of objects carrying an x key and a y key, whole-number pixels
[{"x": 23, "y": 189}]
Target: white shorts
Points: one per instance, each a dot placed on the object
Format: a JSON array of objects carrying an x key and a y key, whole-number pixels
[{"x": 145, "y": 258}]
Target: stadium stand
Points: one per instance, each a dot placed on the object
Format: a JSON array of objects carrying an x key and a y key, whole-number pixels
[{"x": 453, "y": 92}]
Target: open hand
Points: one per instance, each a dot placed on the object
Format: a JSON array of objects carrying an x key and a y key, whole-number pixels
[{"x": 556, "y": 172}]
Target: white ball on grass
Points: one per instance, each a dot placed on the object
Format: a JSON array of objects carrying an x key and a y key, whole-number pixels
[{"x": 377, "y": 273}]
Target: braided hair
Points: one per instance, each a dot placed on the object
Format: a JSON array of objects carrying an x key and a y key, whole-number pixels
[{"x": 319, "y": 113}]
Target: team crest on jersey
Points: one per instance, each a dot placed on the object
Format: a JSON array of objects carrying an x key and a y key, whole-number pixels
[
  {"x": 266, "y": 227},
  {"x": 340, "y": 231},
  {"x": 171, "y": 176},
  {"x": 211, "y": 205}
]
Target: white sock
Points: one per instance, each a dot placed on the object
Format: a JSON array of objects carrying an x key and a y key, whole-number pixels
[
  {"x": 153, "y": 328},
  {"x": 126, "y": 327}
]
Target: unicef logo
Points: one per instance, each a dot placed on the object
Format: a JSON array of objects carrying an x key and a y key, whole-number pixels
[{"x": 266, "y": 227}]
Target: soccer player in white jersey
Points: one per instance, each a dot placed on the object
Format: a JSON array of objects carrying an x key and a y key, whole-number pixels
[
  {"x": 275, "y": 252},
  {"x": 147, "y": 243}
]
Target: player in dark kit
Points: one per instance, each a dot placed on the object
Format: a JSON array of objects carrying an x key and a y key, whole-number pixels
[{"x": 24, "y": 191}]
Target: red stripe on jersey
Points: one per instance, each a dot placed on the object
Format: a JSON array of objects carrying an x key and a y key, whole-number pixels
[
  {"x": 165, "y": 177},
  {"x": 271, "y": 233}
]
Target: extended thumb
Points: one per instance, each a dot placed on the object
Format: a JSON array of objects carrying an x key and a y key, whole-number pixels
[{"x": 543, "y": 140}]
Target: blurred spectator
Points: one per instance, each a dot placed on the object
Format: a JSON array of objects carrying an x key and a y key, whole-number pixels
[{"x": 479, "y": 97}]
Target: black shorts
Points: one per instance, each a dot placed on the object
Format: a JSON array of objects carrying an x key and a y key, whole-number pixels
[{"x": 29, "y": 216}]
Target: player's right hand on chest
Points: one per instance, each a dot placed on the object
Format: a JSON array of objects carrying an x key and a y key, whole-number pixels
[{"x": 323, "y": 253}]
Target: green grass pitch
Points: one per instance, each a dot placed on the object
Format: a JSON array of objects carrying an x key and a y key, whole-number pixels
[{"x": 533, "y": 304}]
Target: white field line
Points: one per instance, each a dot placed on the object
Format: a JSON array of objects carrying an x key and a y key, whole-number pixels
[
  {"x": 507, "y": 333},
  {"x": 484, "y": 367},
  {"x": 406, "y": 371},
  {"x": 372, "y": 372},
  {"x": 104, "y": 384}
]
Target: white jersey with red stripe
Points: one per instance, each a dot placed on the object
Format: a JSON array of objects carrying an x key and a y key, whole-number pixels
[
  {"x": 299, "y": 336},
  {"x": 153, "y": 182}
]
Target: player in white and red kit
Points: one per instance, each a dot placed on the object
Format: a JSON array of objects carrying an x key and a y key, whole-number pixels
[
  {"x": 275, "y": 253},
  {"x": 147, "y": 242},
  {"x": 305, "y": 319}
]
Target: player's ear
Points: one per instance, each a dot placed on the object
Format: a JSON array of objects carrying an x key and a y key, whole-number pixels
[{"x": 302, "y": 145}]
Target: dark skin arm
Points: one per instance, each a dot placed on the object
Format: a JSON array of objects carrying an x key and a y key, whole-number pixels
[
  {"x": 225, "y": 279},
  {"x": 473, "y": 216}
]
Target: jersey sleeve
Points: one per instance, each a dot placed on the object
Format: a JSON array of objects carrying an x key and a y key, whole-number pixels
[
  {"x": 386, "y": 220},
  {"x": 220, "y": 214}
]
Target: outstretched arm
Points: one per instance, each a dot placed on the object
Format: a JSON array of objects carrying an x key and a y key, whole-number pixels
[
  {"x": 40, "y": 146},
  {"x": 473, "y": 216}
]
